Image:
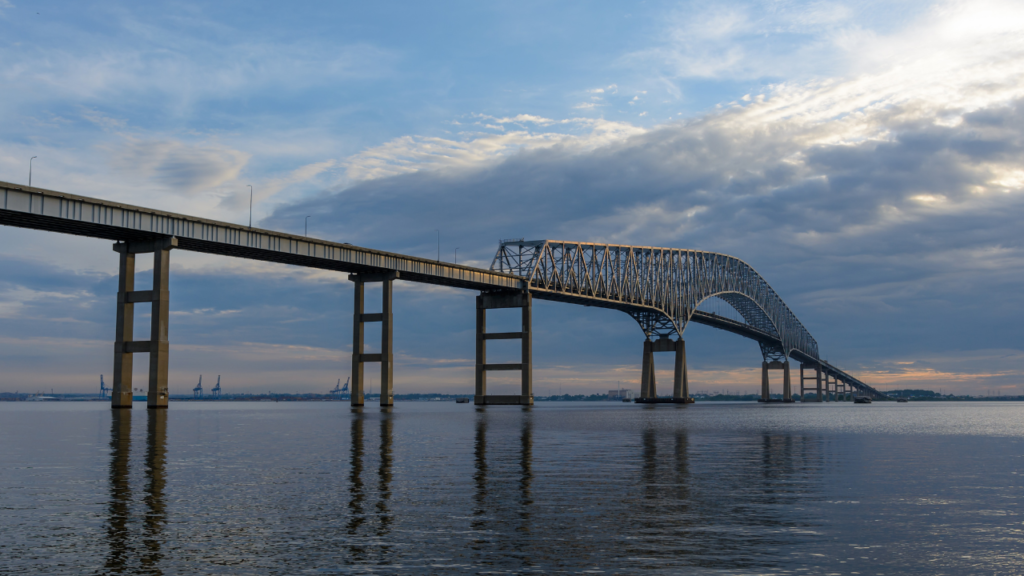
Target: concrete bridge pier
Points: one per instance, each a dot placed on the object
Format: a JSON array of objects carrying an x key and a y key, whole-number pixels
[
  {"x": 787, "y": 383},
  {"x": 386, "y": 356},
  {"x": 496, "y": 300},
  {"x": 125, "y": 345},
  {"x": 648, "y": 385},
  {"x": 787, "y": 388},
  {"x": 681, "y": 382},
  {"x": 815, "y": 377},
  {"x": 680, "y": 379},
  {"x": 765, "y": 390}
]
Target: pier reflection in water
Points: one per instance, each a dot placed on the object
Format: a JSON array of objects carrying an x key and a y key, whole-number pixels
[
  {"x": 155, "y": 514},
  {"x": 367, "y": 532},
  {"x": 120, "y": 491},
  {"x": 135, "y": 525},
  {"x": 650, "y": 501},
  {"x": 433, "y": 489}
]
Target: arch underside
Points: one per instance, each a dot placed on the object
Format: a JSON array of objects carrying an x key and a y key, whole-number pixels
[{"x": 655, "y": 323}]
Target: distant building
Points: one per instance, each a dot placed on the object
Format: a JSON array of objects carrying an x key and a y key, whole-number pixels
[{"x": 620, "y": 394}]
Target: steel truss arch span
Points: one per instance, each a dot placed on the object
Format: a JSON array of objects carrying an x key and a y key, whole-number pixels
[{"x": 659, "y": 287}]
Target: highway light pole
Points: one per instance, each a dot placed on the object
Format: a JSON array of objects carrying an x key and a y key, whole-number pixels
[
  {"x": 456, "y": 256},
  {"x": 307, "y": 226},
  {"x": 30, "y": 169},
  {"x": 250, "y": 206},
  {"x": 438, "y": 244}
]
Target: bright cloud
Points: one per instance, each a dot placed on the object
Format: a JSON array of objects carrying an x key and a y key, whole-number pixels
[{"x": 413, "y": 153}]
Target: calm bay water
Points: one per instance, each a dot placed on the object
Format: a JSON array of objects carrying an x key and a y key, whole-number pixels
[{"x": 440, "y": 488}]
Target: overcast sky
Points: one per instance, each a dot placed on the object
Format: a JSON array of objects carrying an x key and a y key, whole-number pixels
[{"x": 864, "y": 157}]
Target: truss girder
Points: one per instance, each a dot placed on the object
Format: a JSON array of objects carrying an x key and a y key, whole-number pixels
[{"x": 660, "y": 287}]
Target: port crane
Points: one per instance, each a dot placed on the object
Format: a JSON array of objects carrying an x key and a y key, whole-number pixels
[
  {"x": 103, "y": 388},
  {"x": 197, "y": 392},
  {"x": 215, "y": 392},
  {"x": 339, "y": 389}
]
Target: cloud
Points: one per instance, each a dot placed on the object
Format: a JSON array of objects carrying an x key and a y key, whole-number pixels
[
  {"x": 883, "y": 209},
  {"x": 180, "y": 167},
  {"x": 176, "y": 71},
  {"x": 798, "y": 42},
  {"x": 414, "y": 153}
]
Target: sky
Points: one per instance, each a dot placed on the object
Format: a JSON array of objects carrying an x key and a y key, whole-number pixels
[{"x": 864, "y": 157}]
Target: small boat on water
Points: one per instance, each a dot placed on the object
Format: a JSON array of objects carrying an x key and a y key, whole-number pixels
[
  {"x": 862, "y": 400},
  {"x": 462, "y": 400},
  {"x": 902, "y": 400}
]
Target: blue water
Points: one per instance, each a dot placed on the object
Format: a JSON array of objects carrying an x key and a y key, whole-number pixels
[{"x": 561, "y": 488}]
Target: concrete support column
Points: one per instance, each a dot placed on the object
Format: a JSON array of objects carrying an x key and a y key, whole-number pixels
[
  {"x": 654, "y": 379},
  {"x": 481, "y": 348},
  {"x": 819, "y": 382},
  {"x": 527, "y": 354},
  {"x": 356, "y": 396},
  {"x": 787, "y": 387},
  {"x": 647, "y": 387},
  {"x": 765, "y": 392},
  {"x": 159, "y": 346},
  {"x": 491, "y": 301},
  {"x": 121, "y": 391},
  {"x": 802, "y": 399},
  {"x": 125, "y": 345},
  {"x": 681, "y": 383},
  {"x": 386, "y": 356}
]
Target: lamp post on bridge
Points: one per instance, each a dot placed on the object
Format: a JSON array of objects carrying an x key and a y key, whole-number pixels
[
  {"x": 456, "y": 256},
  {"x": 307, "y": 226},
  {"x": 438, "y": 244},
  {"x": 250, "y": 206},
  {"x": 30, "y": 169}
]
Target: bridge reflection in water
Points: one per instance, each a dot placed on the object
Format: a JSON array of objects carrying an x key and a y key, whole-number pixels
[
  {"x": 520, "y": 492},
  {"x": 669, "y": 504},
  {"x": 369, "y": 525},
  {"x": 134, "y": 535}
]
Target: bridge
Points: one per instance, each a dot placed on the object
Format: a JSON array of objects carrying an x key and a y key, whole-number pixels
[{"x": 661, "y": 288}]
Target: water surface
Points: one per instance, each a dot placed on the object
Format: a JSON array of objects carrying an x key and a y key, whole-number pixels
[{"x": 561, "y": 488}]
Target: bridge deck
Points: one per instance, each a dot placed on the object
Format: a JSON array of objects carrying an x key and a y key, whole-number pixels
[{"x": 41, "y": 209}]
